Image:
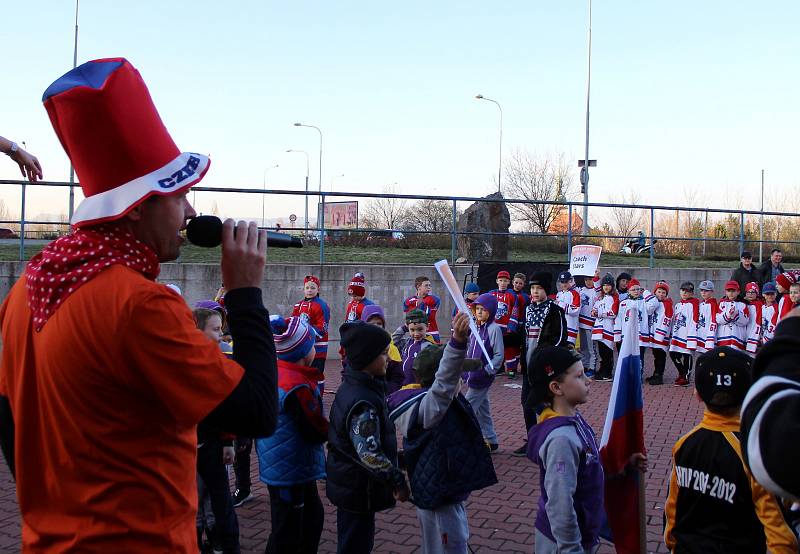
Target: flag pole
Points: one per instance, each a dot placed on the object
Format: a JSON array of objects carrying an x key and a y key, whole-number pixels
[{"x": 642, "y": 515}]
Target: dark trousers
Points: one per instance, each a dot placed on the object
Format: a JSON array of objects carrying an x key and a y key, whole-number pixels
[
  {"x": 659, "y": 360},
  {"x": 528, "y": 409},
  {"x": 242, "y": 464},
  {"x": 356, "y": 532},
  {"x": 297, "y": 518},
  {"x": 606, "y": 359},
  {"x": 212, "y": 472},
  {"x": 683, "y": 362}
]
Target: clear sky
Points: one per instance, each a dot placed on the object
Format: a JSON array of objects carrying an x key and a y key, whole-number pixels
[{"x": 686, "y": 95}]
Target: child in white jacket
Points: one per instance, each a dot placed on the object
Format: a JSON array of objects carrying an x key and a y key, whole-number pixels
[
  {"x": 732, "y": 319},
  {"x": 604, "y": 311},
  {"x": 661, "y": 326},
  {"x": 684, "y": 334}
]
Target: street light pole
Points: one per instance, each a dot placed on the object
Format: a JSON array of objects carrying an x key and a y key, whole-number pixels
[
  {"x": 333, "y": 178},
  {"x": 320, "y": 160},
  {"x": 761, "y": 223},
  {"x": 500, "y": 163},
  {"x": 71, "y": 167},
  {"x": 585, "y": 170},
  {"x": 306, "y": 197},
  {"x": 264, "y": 192}
]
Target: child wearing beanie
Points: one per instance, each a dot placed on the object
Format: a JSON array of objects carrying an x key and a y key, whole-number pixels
[
  {"x": 357, "y": 291},
  {"x": 438, "y": 424},
  {"x": 394, "y": 368},
  {"x": 471, "y": 293},
  {"x": 416, "y": 327},
  {"x": 545, "y": 324},
  {"x": 293, "y": 458},
  {"x": 605, "y": 311},
  {"x": 316, "y": 310},
  {"x": 506, "y": 318},
  {"x": 362, "y": 473},
  {"x": 480, "y": 379},
  {"x": 661, "y": 326}
]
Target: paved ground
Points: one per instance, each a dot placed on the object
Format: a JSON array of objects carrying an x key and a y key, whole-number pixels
[{"x": 501, "y": 517}]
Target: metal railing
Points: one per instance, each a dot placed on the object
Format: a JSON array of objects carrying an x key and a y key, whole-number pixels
[{"x": 321, "y": 232}]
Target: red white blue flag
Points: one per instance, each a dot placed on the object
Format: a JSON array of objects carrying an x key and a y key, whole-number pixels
[{"x": 623, "y": 436}]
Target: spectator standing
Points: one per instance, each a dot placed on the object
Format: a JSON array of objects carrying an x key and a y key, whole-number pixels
[
  {"x": 745, "y": 273},
  {"x": 770, "y": 269}
]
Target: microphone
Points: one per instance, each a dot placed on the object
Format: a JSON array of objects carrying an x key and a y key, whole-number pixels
[{"x": 206, "y": 231}]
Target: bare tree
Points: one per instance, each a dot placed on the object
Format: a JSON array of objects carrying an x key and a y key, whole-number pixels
[
  {"x": 626, "y": 222},
  {"x": 431, "y": 216},
  {"x": 538, "y": 179},
  {"x": 385, "y": 213}
]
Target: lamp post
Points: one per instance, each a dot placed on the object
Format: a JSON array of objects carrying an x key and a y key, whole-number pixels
[
  {"x": 320, "y": 161},
  {"x": 761, "y": 223},
  {"x": 71, "y": 167},
  {"x": 585, "y": 170},
  {"x": 500, "y": 162},
  {"x": 264, "y": 193},
  {"x": 334, "y": 178},
  {"x": 306, "y": 197}
]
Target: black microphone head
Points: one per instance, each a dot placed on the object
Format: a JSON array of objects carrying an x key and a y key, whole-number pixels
[{"x": 205, "y": 230}]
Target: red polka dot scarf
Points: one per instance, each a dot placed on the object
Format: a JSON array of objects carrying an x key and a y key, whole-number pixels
[{"x": 71, "y": 261}]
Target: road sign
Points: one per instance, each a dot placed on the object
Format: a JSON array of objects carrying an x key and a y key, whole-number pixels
[{"x": 292, "y": 218}]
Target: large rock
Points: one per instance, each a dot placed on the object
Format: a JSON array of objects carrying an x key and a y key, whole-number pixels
[{"x": 488, "y": 217}]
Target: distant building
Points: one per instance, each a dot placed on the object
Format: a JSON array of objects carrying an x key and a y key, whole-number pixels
[{"x": 560, "y": 223}]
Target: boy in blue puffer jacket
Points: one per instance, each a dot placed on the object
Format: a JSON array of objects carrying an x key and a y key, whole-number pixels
[
  {"x": 479, "y": 381},
  {"x": 293, "y": 459},
  {"x": 438, "y": 428}
]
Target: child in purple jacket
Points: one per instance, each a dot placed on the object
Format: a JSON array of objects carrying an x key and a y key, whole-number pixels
[
  {"x": 564, "y": 447},
  {"x": 479, "y": 381}
]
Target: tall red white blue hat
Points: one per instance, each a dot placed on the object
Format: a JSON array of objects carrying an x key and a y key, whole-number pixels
[{"x": 123, "y": 154}]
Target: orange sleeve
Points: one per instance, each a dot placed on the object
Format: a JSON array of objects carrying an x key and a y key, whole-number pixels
[{"x": 187, "y": 371}]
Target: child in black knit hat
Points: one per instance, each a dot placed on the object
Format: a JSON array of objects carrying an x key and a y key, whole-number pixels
[{"x": 362, "y": 473}]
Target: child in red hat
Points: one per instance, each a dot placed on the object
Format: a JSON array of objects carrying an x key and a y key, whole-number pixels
[
  {"x": 754, "y": 310},
  {"x": 506, "y": 318},
  {"x": 357, "y": 291},
  {"x": 318, "y": 315},
  {"x": 732, "y": 318},
  {"x": 661, "y": 325}
]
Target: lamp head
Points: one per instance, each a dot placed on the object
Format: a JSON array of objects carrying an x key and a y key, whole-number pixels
[
  {"x": 298, "y": 124},
  {"x": 479, "y": 96}
]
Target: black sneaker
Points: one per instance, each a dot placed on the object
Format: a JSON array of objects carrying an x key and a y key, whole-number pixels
[
  {"x": 602, "y": 377},
  {"x": 521, "y": 451},
  {"x": 511, "y": 374},
  {"x": 492, "y": 446},
  {"x": 240, "y": 497},
  {"x": 655, "y": 379}
]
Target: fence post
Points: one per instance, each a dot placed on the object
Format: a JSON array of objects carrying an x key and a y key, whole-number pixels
[
  {"x": 321, "y": 228},
  {"x": 22, "y": 226},
  {"x": 652, "y": 239},
  {"x": 705, "y": 234},
  {"x": 741, "y": 233},
  {"x": 569, "y": 234},
  {"x": 453, "y": 236}
]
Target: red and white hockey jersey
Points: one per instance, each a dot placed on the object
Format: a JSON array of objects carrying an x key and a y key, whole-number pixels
[
  {"x": 732, "y": 322},
  {"x": 753, "y": 326},
  {"x": 684, "y": 326},
  {"x": 570, "y": 302},
  {"x": 769, "y": 320},
  {"x": 661, "y": 324},
  {"x": 506, "y": 316},
  {"x": 707, "y": 325},
  {"x": 429, "y": 304},
  {"x": 588, "y": 296},
  {"x": 646, "y": 306},
  {"x": 784, "y": 306},
  {"x": 607, "y": 309}
]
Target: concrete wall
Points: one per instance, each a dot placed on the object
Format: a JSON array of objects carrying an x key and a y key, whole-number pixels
[{"x": 387, "y": 285}]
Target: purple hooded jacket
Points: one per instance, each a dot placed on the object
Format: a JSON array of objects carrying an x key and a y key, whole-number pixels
[
  {"x": 587, "y": 500},
  {"x": 491, "y": 334}
]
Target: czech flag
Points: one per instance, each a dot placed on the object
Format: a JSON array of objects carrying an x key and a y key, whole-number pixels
[{"x": 623, "y": 435}]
